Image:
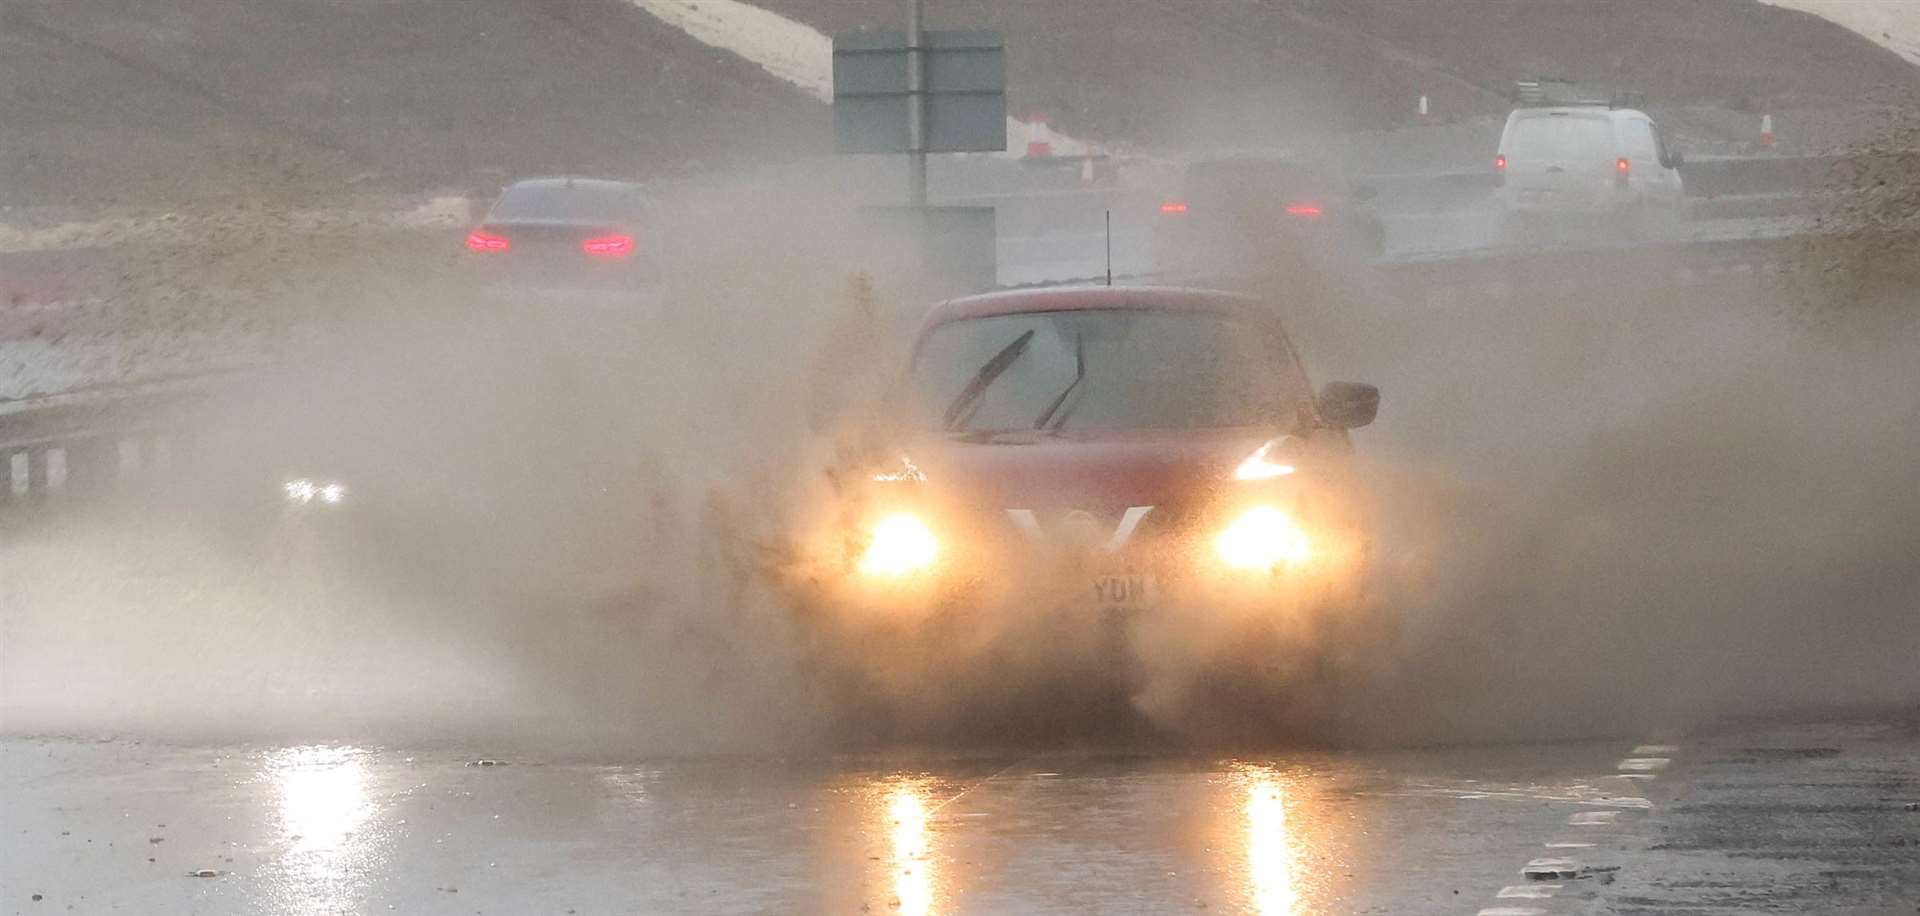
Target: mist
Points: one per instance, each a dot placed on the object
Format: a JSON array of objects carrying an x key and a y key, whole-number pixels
[{"x": 1606, "y": 508}]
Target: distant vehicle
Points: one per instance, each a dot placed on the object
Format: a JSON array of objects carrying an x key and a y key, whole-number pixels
[
  {"x": 1267, "y": 217},
  {"x": 563, "y": 233},
  {"x": 1565, "y": 154}
]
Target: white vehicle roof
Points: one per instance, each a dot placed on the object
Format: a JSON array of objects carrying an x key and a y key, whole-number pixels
[{"x": 1585, "y": 111}]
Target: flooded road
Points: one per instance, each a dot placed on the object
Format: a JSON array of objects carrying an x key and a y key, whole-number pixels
[{"x": 1813, "y": 818}]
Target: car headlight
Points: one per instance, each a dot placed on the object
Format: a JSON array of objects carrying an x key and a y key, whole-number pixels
[
  {"x": 1274, "y": 459},
  {"x": 302, "y": 492},
  {"x": 1262, "y": 538},
  {"x": 902, "y": 545}
]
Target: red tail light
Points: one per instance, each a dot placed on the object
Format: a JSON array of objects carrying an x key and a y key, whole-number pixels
[
  {"x": 1173, "y": 207},
  {"x": 1622, "y": 170},
  {"x": 608, "y": 246},
  {"x": 1623, "y": 166},
  {"x": 482, "y": 240},
  {"x": 1500, "y": 164},
  {"x": 1307, "y": 210}
]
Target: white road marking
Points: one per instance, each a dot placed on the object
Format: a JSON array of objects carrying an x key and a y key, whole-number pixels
[
  {"x": 1646, "y": 759},
  {"x": 1623, "y": 801},
  {"x": 1548, "y": 869}
]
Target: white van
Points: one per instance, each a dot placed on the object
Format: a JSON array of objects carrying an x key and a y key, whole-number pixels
[{"x": 1587, "y": 160}]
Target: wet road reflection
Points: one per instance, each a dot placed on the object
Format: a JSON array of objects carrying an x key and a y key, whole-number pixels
[
  {"x": 322, "y": 809},
  {"x": 912, "y": 863},
  {"x": 315, "y": 830},
  {"x": 1270, "y": 848}
]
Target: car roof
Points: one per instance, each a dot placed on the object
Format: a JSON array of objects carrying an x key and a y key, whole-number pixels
[
  {"x": 1561, "y": 111},
  {"x": 1084, "y": 298}
]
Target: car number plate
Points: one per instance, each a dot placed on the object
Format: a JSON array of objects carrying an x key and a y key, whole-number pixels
[{"x": 1123, "y": 591}]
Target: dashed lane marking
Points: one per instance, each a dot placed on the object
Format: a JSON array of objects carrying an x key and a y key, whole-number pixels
[
  {"x": 1646, "y": 761},
  {"x": 1643, "y": 764},
  {"x": 1550, "y": 869}
]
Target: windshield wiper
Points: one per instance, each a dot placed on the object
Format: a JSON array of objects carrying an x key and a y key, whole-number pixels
[
  {"x": 1079, "y": 375},
  {"x": 964, "y": 403}
]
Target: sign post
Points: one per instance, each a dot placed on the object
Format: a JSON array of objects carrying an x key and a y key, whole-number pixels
[
  {"x": 939, "y": 92},
  {"x": 916, "y": 106}
]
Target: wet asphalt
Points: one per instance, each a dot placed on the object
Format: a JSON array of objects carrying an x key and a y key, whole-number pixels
[{"x": 1806, "y": 817}]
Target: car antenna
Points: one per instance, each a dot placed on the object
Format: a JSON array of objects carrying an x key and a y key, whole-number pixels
[{"x": 1109, "y": 247}]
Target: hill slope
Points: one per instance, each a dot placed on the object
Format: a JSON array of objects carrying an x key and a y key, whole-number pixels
[
  {"x": 1265, "y": 72},
  {"x": 136, "y": 101}
]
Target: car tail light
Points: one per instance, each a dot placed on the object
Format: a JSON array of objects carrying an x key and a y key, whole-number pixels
[
  {"x": 1306, "y": 210},
  {"x": 608, "y": 246},
  {"x": 1500, "y": 169},
  {"x": 1174, "y": 207},
  {"x": 1622, "y": 170},
  {"x": 482, "y": 240}
]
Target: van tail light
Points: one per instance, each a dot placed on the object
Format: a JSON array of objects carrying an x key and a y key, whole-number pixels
[
  {"x": 1622, "y": 170},
  {"x": 1307, "y": 211},
  {"x": 1174, "y": 207},
  {"x": 482, "y": 240},
  {"x": 1500, "y": 169},
  {"x": 608, "y": 246}
]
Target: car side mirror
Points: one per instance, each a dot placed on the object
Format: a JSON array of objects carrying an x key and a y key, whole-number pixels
[{"x": 1349, "y": 405}]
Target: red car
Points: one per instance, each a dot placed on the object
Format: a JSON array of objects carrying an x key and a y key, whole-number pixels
[{"x": 1073, "y": 463}]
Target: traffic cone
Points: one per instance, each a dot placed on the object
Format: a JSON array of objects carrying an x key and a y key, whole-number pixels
[{"x": 1766, "y": 130}]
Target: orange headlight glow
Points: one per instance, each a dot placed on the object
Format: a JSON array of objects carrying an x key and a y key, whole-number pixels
[
  {"x": 1262, "y": 538},
  {"x": 902, "y": 545}
]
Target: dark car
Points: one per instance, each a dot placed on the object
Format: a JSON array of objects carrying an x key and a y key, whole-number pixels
[
  {"x": 1070, "y": 458},
  {"x": 564, "y": 233},
  {"x": 1260, "y": 217}
]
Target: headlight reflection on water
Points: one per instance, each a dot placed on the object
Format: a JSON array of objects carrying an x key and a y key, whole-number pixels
[
  {"x": 320, "y": 796},
  {"x": 912, "y": 859},
  {"x": 1270, "y": 847}
]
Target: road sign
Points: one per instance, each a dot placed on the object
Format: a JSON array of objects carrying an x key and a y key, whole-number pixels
[{"x": 965, "y": 96}]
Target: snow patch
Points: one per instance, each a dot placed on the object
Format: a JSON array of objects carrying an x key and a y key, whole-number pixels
[
  {"x": 803, "y": 55},
  {"x": 1891, "y": 25},
  {"x": 792, "y": 51}
]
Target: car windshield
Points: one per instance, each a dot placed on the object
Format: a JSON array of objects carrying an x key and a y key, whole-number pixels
[
  {"x": 1143, "y": 369},
  {"x": 1561, "y": 138},
  {"x": 583, "y": 201}
]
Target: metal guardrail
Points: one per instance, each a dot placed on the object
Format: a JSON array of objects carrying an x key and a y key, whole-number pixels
[
  {"x": 1705, "y": 177},
  {"x": 90, "y": 441}
]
